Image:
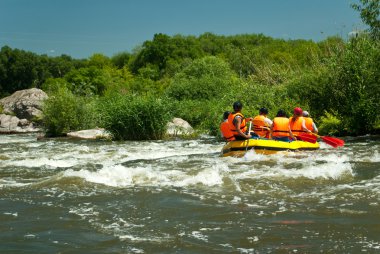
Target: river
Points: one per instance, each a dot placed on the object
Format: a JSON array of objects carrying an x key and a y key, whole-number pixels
[{"x": 180, "y": 196}]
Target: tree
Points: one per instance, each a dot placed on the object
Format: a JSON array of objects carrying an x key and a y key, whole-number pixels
[
  {"x": 205, "y": 78},
  {"x": 369, "y": 13}
]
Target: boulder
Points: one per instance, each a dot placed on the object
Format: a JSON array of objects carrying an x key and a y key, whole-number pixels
[
  {"x": 179, "y": 127},
  {"x": 90, "y": 134},
  {"x": 9, "y": 122},
  {"x": 25, "y": 104},
  {"x": 12, "y": 124}
]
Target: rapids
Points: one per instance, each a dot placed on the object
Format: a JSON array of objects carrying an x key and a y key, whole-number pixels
[{"x": 181, "y": 196}]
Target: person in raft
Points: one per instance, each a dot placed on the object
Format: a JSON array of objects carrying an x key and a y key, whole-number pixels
[
  {"x": 280, "y": 129},
  {"x": 309, "y": 123},
  {"x": 297, "y": 123},
  {"x": 227, "y": 134},
  {"x": 238, "y": 123},
  {"x": 262, "y": 124}
]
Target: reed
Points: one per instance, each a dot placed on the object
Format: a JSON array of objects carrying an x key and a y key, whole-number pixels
[{"x": 134, "y": 118}]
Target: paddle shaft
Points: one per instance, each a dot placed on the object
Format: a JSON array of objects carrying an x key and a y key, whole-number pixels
[{"x": 249, "y": 131}]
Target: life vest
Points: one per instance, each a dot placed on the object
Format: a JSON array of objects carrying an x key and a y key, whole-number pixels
[
  {"x": 260, "y": 127},
  {"x": 296, "y": 126},
  {"x": 280, "y": 127},
  {"x": 230, "y": 121},
  {"x": 309, "y": 123},
  {"x": 227, "y": 134}
]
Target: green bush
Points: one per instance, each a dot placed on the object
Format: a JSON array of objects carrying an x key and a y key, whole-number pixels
[
  {"x": 354, "y": 90},
  {"x": 135, "y": 118},
  {"x": 330, "y": 124},
  {"x": 203, "y": 115},
  {"x": 64, "y": 112}
]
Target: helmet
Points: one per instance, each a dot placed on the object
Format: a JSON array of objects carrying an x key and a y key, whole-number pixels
[
  {"x": 298, "y": 111},
  {"x": 281, "y": 113},
  {"x": 305, "y": 113},
  {"x": 263, "y": 111},
  {"x": 237, "y": 106}
]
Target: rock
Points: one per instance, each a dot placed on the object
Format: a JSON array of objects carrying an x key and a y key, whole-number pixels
[
  {"x": 24, "y": 103},
  {"x": 90, "y": 134},
  {"x": 179, "y": 127},
  {"x": 11, "y": 124},
  {"x": 8, "y": 121}
]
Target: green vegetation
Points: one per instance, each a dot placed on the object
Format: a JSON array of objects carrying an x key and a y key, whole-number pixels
[
  {"x": 65, "y": 112},
  {"x": 133, "y": 95},
  {"x": 135, "y": 118}
]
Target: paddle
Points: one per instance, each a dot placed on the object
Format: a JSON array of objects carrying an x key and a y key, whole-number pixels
[
  {"x": 334, "y": 142},
  {"x": 307, "y": 137},
  {"x": 249, "y": 132}
]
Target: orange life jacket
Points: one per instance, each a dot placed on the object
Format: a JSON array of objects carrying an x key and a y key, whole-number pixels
[
  {"x": 309, "y": 123},
  {"x": 230, "y": 121},
  {"x": 227, "y": 134},
  {"x": 259, "y": 126},
  {"x": 280, "y": 127},
  {"x": 296, "y": 126}
]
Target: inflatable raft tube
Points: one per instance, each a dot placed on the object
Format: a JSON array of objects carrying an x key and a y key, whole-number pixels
[{"x": 265, "y": 146}]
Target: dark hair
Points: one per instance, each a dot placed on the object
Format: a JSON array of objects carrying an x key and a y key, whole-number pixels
[
  {"x": 263, "y": 111},
  {"x": 281, "y": 113},
  {"x": 226, "y": 114},
  {"x": 237, "y": 106}
]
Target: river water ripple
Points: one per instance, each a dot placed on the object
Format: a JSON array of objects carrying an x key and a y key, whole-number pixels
[{"x": 65, "y": 196}]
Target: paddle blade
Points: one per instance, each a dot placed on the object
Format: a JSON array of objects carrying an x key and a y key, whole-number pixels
[
  {"x": 334, "y": 142},
  {"x": 308, "y": 138}
]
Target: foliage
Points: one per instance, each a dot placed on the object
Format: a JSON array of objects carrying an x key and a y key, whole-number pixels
[
  {"x": 53, "y": 85},
  {"x": 121, "y": 60},
  {"x": 203, "y": 79},
  {"x": 330, "y": 124},
  {"x": 20, "y": 69},
  {"x": 354, "y": 84},
  {"x": 64, "y": 112},
  {"x": 370, "y": 15},
  {"x": 134, "y": 118}
]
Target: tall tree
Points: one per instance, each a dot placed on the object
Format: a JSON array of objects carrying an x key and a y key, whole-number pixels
[{"x": 369, "y": 13}]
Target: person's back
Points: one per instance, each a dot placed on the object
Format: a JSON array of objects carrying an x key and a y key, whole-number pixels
[
  {"x": 225, "y": 130},
  {"x": 280, "y": 129},
  {"x": 237, "y": 122},
  {"x": 261, "y": 124},
  {"x": 309, "y": 123},
  {"x": 297, "y": 123}
]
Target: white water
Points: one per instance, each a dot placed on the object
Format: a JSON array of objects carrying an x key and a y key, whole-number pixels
[{"x": 166, "y": 193}]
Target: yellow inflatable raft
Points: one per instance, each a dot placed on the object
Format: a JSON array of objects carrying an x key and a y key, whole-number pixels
[{"x": 264, "y": 146}]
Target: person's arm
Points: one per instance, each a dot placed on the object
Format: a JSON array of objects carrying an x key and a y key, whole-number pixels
[
  {"x": 304, "y": 126},
  {"x": 268, "y": 122},
  {"x": 238, "y": 123},
  {"x": 315, "y": 129}
]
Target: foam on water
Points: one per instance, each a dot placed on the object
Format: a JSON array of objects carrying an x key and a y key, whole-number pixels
[
  {"x": 121, "y": 176},
  {"x": 40, "y": 162},
  {"x": 296, "y": 165}
]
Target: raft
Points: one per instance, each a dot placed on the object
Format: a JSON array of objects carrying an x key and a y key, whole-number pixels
[{"x": 238, "y": 148}]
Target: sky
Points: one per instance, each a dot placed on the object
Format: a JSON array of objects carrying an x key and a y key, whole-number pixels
[{"x": 81, "y": 28}]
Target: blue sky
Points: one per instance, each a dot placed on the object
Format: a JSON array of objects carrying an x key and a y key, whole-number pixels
[{"x": 80, "y": 28}]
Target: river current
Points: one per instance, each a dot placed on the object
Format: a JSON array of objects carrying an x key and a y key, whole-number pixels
[{"x": 181, "y": 196}]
